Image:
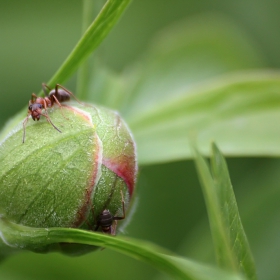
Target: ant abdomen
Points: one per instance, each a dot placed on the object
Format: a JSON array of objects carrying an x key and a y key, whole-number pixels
[
  {"x": 59, "y": 95},
  {"x": 106, "y": 220}
]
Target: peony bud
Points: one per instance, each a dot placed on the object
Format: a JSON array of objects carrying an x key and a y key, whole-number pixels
[{"x": 68, "y": 179}]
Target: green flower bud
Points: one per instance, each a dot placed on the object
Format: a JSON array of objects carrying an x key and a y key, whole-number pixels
[{"x": 68, "y": 179}]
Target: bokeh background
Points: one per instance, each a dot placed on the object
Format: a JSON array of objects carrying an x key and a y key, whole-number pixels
[{"x": 36, "y": 37}]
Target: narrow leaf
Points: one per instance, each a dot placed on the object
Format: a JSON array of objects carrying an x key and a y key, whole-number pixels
[
  {"x": 231, "y": 219},
  {"x": 231, "y": 245},
  {"x": 224, "y": 255},
  {"x": 93, "y": 36},
  {"x": 18, "y": 236}
]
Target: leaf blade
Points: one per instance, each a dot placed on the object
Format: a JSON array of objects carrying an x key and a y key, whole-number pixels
[
  {"x": 237, "y": 111},
  {"x": 231, "y": 218},
  {"x": 230, "y": 241},
  {"x": 179, "y": 268},
  {"x": 224, "y": 256},
  {"x": 188, "y": 54}
]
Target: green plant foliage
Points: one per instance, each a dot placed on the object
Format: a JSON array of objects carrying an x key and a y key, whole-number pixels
[
  {"x": 93, "y": 36},
  {"x": 181, "y": 89},
  {"x": 204, "y": 77},
  {"x": 185, "y": 56},
  {"x": 20, "y": 237},
  {"x": 231, "y": 245},
  {"x": 248, "y": 105}
]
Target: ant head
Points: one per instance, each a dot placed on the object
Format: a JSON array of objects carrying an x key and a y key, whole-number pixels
[{"x": 35, "y": 110}]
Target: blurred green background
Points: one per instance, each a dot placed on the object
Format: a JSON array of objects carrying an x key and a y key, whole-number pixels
[{"x": 36, "y": 36}]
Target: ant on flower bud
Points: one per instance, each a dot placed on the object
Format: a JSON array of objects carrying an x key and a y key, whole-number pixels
[
  {"x": 37, "y": 104},
  {"x": 106, "y": 220}
]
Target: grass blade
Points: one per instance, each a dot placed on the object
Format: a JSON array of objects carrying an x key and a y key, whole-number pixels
[
  {"x": 231, "y": 245},
  {"x": 93, "y": 36},
  {"x": 231, "y": 219}
]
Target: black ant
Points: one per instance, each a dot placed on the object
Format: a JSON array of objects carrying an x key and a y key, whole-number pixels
[
  {"x": 37, "y": 104},
  {"x": 106, "y": 220}
]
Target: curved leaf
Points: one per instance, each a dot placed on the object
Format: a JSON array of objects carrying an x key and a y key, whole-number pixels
[
  {"x": 18, "y": 236},
  {"x": 238, "y": 112}
]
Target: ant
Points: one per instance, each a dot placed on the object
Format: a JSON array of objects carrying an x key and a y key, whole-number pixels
[
  {"x": 106, "y": 219},
  {"x": 37, "y": 104}
]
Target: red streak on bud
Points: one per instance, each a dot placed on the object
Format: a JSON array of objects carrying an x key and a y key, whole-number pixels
[
  {"x": 93, "y": 180},
  {"x": 125, "y": 167}
]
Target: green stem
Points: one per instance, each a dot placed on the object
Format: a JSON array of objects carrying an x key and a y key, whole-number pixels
[
  {"x": 89, "y": 12},
  {"x": 91, "y": 39}
]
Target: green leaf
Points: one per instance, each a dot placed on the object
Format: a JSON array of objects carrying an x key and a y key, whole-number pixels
[
  {"x": 186, "y": 54},
  {"x": 93, "y": 36},
  {"x": 238, "y": 112},
  {"x": 231, "y": 245},
  {"x": 17, "y": 236},
  {"x": 180, "y": 57}
]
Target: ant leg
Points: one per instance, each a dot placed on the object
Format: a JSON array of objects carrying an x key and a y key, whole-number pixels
[
  {"x": 60, "y": 106},
  {"x": 49, "y": 120},
  {"x": 24, "y": 125},
  {"x": 72, "y": 94},
  {"x": 33, "y": 98},
  {"x": 46, "y": 115},
  {"x": 45, "y": 87},
  {"x": 114, "y": 228},
  {"x": 27, "y": 117}
]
